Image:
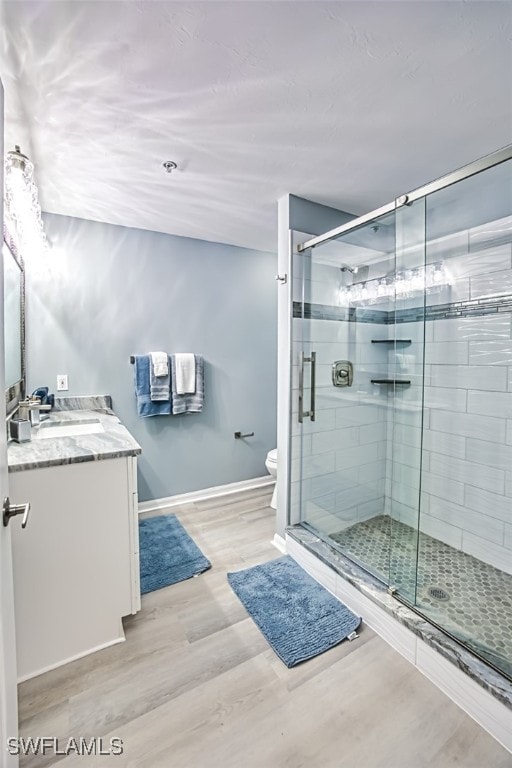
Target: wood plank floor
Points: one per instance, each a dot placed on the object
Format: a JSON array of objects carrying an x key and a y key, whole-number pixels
[{"x": 195, "y": 685}]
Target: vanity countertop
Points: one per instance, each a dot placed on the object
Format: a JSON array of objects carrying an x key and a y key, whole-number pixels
[{"x": 113, "y": 441}]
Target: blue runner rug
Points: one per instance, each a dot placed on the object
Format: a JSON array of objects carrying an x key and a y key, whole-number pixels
[
  {"x": 167, "y": 553},
  {"x": 299, "y": 618}
]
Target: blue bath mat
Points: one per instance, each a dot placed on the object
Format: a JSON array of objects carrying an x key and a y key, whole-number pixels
[
  {"x": 167, "y": 553},
  {"x": 298, "y": 617}
]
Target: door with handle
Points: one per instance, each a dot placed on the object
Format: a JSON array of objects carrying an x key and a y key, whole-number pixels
[
  {"x": 326, "y": 484},
  {"x": 8, "y": 697},
  {"x": 339, "y": 427}
]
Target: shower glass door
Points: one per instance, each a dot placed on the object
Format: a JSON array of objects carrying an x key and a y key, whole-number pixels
[
  {"x": 350, "y": 374},
  {"x": 464, "y": 575},
  {"x": 402, "y": 401}
]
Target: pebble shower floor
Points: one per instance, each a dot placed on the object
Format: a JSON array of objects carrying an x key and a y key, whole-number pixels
[{"x": 469, "y": 598}]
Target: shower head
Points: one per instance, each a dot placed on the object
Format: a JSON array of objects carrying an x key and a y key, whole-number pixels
[{"x": 361, "y": 272}]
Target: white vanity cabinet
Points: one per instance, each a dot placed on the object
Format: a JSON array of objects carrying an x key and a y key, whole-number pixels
[{"x": 76, "y": 564}]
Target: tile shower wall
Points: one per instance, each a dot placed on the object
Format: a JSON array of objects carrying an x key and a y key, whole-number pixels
[
  {"x": 343, "y": 450},
  {"x": 466, "y": 477},
  {"x": 363, "y": 455}
]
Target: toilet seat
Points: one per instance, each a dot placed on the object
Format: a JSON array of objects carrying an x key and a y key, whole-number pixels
[{"x": 272, "y": 456}]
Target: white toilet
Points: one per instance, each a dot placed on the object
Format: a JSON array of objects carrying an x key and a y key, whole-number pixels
[{"x": 271, "y": 465}]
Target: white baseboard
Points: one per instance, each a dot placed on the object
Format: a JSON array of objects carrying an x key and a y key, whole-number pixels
[
  {"x": 81, "y": 655},
  {"x": 205, "y": 493},
  {"x": 279, "y": 543}
]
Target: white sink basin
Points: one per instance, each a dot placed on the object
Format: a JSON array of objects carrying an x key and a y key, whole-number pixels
[{"x": 69, "y": 429}]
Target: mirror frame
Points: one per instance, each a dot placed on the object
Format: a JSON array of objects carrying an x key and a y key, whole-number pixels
[{"x": 16, "y": 391}]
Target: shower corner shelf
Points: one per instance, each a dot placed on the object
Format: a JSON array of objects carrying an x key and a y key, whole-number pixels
[
  {"x": 391, "y": 341},
  {"x": 405, "y": 382}
]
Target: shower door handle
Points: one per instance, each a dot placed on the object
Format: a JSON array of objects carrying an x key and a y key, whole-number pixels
[
  {"x": 311, "y": 412},
  {"x": 313, "y": 385}
]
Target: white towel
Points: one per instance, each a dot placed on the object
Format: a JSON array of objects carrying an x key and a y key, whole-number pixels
[
  {"x": 160, "y": 363},
  {"x": 192, "y": 403},
  {"x": 185, "y": 373}
]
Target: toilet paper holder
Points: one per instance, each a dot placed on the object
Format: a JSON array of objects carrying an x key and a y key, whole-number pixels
[{"x": 240, "y": 436}]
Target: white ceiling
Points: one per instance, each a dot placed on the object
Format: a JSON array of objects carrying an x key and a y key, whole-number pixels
[{"x": 346, "y": 103}]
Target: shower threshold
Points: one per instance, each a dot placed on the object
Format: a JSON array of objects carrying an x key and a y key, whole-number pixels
[{"x": 483, "y": 670}]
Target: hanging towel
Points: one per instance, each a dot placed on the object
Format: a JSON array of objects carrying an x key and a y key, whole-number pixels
[
  {"x": 159, "y": 386},
  {"x": 160, "y": 363},
  {"x": 188, "y": 403},
  {"x": 185, "y": 373},
  {"x": 145, "y": 406}
]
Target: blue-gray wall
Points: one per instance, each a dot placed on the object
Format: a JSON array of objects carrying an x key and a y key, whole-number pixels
[
  {"x": 106, "y": 292},
  {"x": 314, "y": 218}
]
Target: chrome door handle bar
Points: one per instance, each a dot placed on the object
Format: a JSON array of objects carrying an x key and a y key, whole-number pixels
[
  {"x": 311, "y": 412},
  {"x": 313, "y": 386}
]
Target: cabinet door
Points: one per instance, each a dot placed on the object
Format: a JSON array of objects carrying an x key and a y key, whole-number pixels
[
  {"x": 8, "y": 702},
  {"x": 73, "y": 565}
]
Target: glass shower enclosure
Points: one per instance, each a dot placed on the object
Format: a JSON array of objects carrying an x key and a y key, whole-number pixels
[{"x": 401, "y": 445}]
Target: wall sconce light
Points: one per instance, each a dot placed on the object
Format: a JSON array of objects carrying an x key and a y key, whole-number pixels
[{"x": 22, "y": 209}]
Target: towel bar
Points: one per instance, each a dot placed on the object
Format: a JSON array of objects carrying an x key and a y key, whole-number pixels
[
  {"x": 132, "y": 359},
  {"x": 239, "y": 436}
]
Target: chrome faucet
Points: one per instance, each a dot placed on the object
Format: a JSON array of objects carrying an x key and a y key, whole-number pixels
[{"x": 32, "y": 409}]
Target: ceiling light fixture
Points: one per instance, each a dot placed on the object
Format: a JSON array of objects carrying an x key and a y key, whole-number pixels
[
  {"x": 169, "y": 166},
  {"x": 21, "y": 204}
]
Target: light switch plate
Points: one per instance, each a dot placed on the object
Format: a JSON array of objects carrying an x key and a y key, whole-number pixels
[{"x": 62, "y": 382}]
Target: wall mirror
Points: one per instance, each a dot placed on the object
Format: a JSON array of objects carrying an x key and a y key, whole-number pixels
[{"x": 14, "y": 324}]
